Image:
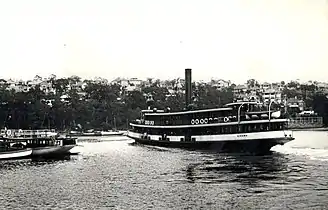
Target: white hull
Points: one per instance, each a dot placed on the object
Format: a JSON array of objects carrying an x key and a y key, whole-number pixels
[
  {"x": 259, "y": 142},
  {"x": 15, "y": 154},
  {"x": 222, "y": 137}
]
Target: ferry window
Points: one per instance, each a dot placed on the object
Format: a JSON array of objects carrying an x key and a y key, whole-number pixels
[
  {"x": 232, "y": 129},
  {"x": 285, "y": 125},
  {"x": 280, "y": 126},
  {"x": 273, "y": 126},
  {"x": 261, "y": 127},
  {"x": 276, "y": 126}
]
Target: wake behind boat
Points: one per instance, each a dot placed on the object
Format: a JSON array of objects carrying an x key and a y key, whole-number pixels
[{"x": 240, "y": 126}]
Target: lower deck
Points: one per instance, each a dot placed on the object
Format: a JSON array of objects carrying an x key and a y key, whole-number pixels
[
  {"x": 223, "y": 137},
  {"x": 254, "y": 142}
]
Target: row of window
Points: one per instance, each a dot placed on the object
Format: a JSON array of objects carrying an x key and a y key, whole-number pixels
[
  {"x": 214, "y": 130},
  {"x": 185, "y": 118}
]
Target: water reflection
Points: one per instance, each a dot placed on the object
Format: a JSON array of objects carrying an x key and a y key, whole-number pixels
[
  {"x": 236, "y": 168},
  {"x": 14, "y": 164}
]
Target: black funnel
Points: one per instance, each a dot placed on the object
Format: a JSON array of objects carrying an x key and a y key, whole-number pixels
[{"x": 188, "y": 87}]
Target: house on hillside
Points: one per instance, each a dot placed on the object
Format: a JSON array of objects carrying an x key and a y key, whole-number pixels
[
  {"x": 271, "y": 95},
  {"x": 220, "y": 83},
  {"x": 240, "y": 93},
  {"x": 295, "y": 103}
]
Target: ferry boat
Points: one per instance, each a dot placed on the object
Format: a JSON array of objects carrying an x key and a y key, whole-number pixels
[
  {"x": 44, "y": 143},
  {"x": 236, "y": 127}
]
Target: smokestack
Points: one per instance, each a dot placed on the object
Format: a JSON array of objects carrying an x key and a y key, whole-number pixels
[{"x": 188, "y": 90}]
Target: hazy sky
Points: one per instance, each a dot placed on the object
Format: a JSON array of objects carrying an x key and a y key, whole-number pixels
[{"x": 269, "y": 40}]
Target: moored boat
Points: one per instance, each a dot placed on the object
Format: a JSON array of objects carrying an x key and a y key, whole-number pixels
[
  {"x": 8, "y": 152},
  {"x": 42, "y": 145},
  {"x": 241, "y": 126},
  {"x": 113, "y": 133},
  {"x": 98, "y": 133}
]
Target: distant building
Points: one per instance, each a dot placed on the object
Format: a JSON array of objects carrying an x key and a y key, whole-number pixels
[
  {"x": 100, "y": 80},
  {"x": 128, "y": 84},
  {"x": 265, "y": 86},
  {"x": 323, "y": 87},
  {"x": 240, "y": 93},
  {"x": 271, "y": 95},
  {"x": 295, "y": 103},
  {"x": 3, "y": 82},
  {"x": 220, "y": 83},
  {"x": 135, "y": 82}
]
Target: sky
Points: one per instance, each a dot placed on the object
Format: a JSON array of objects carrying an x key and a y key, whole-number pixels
[{"x": 271, "y": 40}]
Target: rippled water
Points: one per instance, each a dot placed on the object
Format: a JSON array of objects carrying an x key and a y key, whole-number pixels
[{"x": 113, "y": 174}]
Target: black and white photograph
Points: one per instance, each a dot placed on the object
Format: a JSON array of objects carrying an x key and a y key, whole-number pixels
[{"x": 153, "y": 104}]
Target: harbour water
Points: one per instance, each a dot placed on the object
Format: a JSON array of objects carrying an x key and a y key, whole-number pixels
[{"x": 115, "y": 174}]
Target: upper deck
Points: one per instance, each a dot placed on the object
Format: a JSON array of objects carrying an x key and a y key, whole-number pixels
[{"x": 233, "y": 112}]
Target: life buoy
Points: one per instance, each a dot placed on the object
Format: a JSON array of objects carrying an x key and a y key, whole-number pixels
[
  {"x": 206, "y": 120},
  {"x": 201, "y": 121},
  {"x": 192, "y": 121},
  {"x": 8, "y": 132},
  {"x": 225, "y": 119},
  {"x": 196, "y": 121}
]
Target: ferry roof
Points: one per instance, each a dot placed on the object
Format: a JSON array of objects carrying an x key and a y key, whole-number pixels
[
  {"x": 241, "y": 102},
  {"x": 151, "y": 111},
  {"x": 190, "y": 112}
]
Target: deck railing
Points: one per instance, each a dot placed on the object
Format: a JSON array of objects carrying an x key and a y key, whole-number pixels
[
  {"x": 305, "y": 122},
  {"x": 28, "y": 133}
]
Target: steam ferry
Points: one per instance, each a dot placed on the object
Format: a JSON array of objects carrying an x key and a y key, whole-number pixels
[{"x": 236, "y": 127}]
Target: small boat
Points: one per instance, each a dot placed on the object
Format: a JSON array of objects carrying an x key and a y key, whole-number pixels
[
  {"x": 112, "y": 133},
  {"x": 98, "y": 133},
  {"x": 7, "y": 152},
  {"x": 42, "y": 145}
]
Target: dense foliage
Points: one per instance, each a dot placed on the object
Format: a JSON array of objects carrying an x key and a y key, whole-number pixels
[
  {"x": 97, "y": 106},
  {"x": 103, "y": 106}
]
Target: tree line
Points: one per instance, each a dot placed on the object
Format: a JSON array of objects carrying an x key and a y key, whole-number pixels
[
  {"x": 104, "y": 106},
  {"x": 99, "y": 106}
]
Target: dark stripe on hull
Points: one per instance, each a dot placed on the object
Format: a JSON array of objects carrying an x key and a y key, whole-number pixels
[
  {"x": 51, "y": 151},
  {"x": 248, "y": 146}
]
